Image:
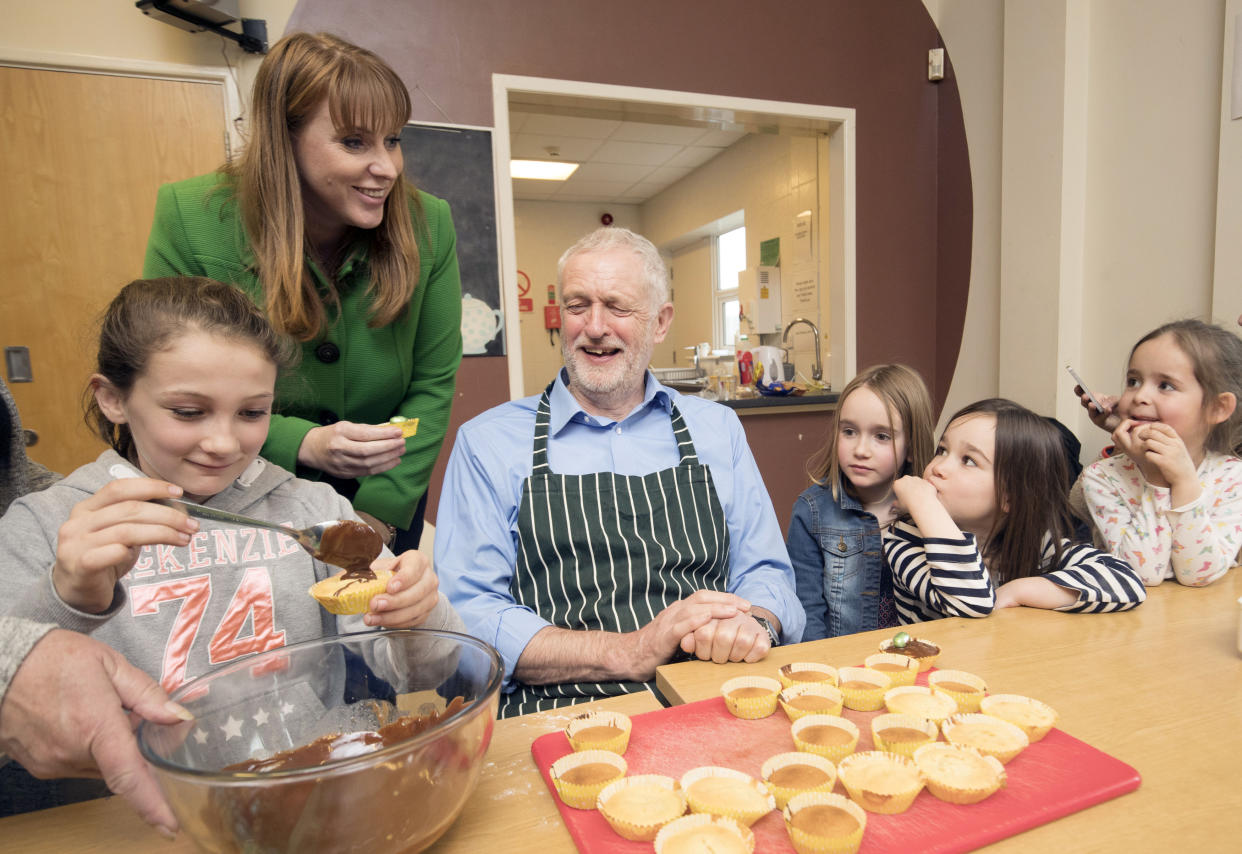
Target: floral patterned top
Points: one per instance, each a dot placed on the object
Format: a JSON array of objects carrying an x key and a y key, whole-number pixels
[{"x": 1196, "y": 543}]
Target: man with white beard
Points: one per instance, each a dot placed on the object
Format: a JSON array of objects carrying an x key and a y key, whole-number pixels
[{"x": 593, "y": 532}]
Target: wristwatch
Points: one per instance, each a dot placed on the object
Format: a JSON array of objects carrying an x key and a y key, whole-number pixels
[{"x": 773, "y": 638}]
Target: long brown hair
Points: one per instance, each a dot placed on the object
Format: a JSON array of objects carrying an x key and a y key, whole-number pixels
[
  {"x": 1216, "y": 355},
  {"x": 363, "y": 92},
  {"x": 1031, "y": 475},
  {"x": 148, "y": 314},
  {"x": 903, "y": 392}
]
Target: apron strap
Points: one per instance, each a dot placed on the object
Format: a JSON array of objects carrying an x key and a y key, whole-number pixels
[{"x": 543, "y": 420}]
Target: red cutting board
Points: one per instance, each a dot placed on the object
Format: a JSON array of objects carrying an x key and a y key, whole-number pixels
[{"x": 1054, "y": 777}]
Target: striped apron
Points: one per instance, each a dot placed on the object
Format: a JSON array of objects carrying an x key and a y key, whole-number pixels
[{"x": 608, "y": 552}]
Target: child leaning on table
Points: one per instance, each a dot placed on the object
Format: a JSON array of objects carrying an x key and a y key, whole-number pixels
[
  {"x": 990, "y": 526},
  {"x": 183, "y": 393},
  {"x": 1169, "y": 498},
  {"x": 882, "y": 430}
]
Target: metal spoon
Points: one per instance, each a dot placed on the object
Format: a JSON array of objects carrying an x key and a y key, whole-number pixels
[{"x": 308, "y": 538}]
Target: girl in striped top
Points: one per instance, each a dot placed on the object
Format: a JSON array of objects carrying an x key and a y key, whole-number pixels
[{"x": 989, "y": 526}]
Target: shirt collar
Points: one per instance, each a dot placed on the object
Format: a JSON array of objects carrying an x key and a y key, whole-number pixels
[
  {"x": 564, "y": 407},
  {"x": 848, "y": 502}
]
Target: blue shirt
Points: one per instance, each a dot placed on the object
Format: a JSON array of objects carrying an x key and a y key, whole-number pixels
[
  {"x": 476, "y": 524},
  {"x": 843, "y": 581}
]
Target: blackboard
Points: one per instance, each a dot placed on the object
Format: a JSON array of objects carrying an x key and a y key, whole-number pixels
[{"x": 455, "y": 164}]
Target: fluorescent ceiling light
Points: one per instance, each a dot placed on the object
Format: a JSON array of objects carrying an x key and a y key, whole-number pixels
[{"x": 542, "y": 170}]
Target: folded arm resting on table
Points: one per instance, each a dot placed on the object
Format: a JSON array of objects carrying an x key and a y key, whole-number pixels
[{"x": 711, "y": 625}]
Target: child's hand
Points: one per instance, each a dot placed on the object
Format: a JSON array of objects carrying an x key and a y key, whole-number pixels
[
  {"x": 1165, "y": 450},
  {"x": 1034, "y": 592},
  {"x": 914, "y": 493},
  {"x": 411, "y": 593},
  {"x": 1130, "y": 440},
  {"x": 919, "y": 498},
  {"x": 1108, "y": 419},
  {"x": 104, "y": 533}
]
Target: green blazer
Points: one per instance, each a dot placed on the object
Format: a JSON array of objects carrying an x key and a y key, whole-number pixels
[{"x": 349, "y": 372}]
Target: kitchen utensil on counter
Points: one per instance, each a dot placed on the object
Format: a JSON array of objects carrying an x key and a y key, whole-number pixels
[
  {"x": 773, "y": 361},
  {"x": 745, "y": 367}
]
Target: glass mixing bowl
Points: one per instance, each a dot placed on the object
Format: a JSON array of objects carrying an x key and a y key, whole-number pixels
[{"x": 399, "y": 797}]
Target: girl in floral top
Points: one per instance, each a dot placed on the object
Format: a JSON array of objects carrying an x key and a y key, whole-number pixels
[{"x": 1169, "y": 500}]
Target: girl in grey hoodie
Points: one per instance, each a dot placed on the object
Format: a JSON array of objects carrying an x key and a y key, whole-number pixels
[{"x": 182, "y": 394}]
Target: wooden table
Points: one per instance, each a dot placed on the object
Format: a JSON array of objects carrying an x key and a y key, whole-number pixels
[
  {"x": 1159, "y": 687},
  {"x": 511, "y": 810}
]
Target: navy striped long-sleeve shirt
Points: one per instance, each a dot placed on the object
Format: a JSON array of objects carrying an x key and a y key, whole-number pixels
[{"x": 934, "y": 578}]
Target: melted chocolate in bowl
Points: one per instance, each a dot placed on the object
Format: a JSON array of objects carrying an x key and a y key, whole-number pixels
[
  {"x": 302, "y": 750},
  {"x": 347, "y": 745},
  {"x": 353, "y": 545},
  {"x": 396, "y": 799}
]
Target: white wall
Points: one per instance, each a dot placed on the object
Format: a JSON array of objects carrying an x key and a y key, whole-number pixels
[
  {"x": 974, "y": 34},
  {"x": 1227, "y": 266},
  {"x": 543, "y": 231},
  {"x": 1112, "y": 156},
  {"x": 772, "y": 178}
]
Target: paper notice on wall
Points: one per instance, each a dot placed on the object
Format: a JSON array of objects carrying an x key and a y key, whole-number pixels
[
  {"x": 801, "y": 251},
  {"x": 804, "y": 292},
  {"x": 1235, "y": 101}
]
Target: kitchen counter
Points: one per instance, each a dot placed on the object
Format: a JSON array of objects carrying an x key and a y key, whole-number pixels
[{"x": 763, "y": 405}]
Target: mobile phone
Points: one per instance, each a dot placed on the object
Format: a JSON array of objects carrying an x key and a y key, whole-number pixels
[{"x": 1082, "y": 385}]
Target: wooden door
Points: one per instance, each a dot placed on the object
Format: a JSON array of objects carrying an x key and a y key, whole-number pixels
[{"x": 82, "y": 158}]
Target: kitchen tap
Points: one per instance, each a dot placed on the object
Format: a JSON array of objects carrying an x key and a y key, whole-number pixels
[{"x": 817, "y": 370}]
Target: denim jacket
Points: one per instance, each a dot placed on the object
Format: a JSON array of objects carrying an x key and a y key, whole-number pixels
[{"x": 843, "y": 582}]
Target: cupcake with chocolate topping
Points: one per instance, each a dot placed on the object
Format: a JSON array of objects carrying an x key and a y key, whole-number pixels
[
  {"x": 351, "y": 591},
  {"x": 918, "y": 648}
]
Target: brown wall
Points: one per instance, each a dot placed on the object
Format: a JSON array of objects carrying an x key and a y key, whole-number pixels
[{"x": 913, "y": 177}]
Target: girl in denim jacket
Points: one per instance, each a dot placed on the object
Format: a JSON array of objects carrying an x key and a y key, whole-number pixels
[{"x": 883, "y": 430}]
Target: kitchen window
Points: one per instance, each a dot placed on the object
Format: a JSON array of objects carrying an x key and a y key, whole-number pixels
[{"x": 728, "y": 259}]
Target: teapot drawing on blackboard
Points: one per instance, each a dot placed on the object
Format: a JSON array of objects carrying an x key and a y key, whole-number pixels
[{"x": 479, "y": 325}]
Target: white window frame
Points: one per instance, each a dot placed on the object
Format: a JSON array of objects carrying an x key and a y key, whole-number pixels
[{"x": 721, "y": 296}]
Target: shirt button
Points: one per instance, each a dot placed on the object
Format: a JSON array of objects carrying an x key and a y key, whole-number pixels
[
  {"x": 618, "y": 431},
  {"x": 841, "y": 546},
  {"x": 327, "y": 352}
]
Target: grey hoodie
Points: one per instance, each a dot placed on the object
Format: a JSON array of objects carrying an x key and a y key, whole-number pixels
[{"x": 183, "y": 610}]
